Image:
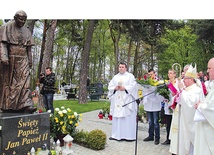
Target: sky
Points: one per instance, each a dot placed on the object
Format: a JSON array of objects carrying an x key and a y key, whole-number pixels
[{"x": 109, "y": 9}]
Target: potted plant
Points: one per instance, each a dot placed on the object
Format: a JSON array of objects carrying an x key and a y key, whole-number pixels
[
  {"x": 106, "y": 110},
  {"x": 100, "y": 115},
  {"x": 63, "y": 122},
  {"x": 109, "y": 117}
]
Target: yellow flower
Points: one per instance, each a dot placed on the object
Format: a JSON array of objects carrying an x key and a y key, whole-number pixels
[
  {"x": 63, "y": 128},
  {"x": 64, "y": 121},
  {"x": 80, "y": 120},
  {"x": 56, "y": 120}
]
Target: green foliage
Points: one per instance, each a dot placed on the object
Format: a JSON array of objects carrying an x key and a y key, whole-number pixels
[
  {"x": 164, "y": 91},
  {"x": 106, "y": 108},
  {"x": 80, "y": 137},
  {"x": 96, "y": 139},
  {"x": 1, "y": 22},
  {"x": 179, "y": 46}
]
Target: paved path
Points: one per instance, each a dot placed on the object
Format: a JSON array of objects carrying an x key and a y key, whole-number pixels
[{"x": 90, "y": 121}]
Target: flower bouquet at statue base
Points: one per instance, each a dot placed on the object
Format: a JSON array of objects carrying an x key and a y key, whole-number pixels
[{"x": 64, "y": 121}]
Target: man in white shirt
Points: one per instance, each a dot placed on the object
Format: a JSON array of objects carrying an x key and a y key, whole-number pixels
[{"x": 152, "y": 106}]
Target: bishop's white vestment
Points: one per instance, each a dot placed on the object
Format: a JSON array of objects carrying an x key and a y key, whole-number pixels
[
  {"x": 189, "y": 97},
  {"x": 204, "y": 134},
  {"x": 124, "y": 117}
]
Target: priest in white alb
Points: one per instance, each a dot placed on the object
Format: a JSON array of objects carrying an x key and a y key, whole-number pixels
[
  {"x": 122, "y": 90},
  {"x": 204, "y": 134}
]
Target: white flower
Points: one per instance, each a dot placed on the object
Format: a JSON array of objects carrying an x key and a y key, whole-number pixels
[
  {"x": 62, "y": 107},
  {"x": 0, "y": 127},
  {"x": 56, "y": 109},
  {"x": 64, "y": 111},
  {"x": 68, "y": 109},
  {"x": 75, "y": 114},
  {"x": 161, "y": 82},
  {"x": 59, "y": 112},
  {"x": 49, "y": 111}
]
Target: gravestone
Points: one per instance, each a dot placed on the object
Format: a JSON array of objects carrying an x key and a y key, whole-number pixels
[{"x": 20, "y": 132}]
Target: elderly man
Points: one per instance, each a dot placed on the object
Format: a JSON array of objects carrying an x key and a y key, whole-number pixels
[
  {"x": 204, "y": 133},
  {"x": 15, "y": 53},
  {"x": 191, "y": 94}
]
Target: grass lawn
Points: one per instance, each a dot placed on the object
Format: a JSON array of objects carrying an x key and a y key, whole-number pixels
[{"x": 81, "y": 108}]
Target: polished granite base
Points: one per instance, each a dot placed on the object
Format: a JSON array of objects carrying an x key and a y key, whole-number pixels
[{"x": 20, "y": 132}]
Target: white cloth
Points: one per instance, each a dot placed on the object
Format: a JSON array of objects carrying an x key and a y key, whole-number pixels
[
  {"x": 173, "y": 135},
  {"x": 199, "y": 117},
  {"x": 204, "y": 133},
  {"x": 152, "y": 102},
  {"x": 210, "y": 85},
  {"x": 124, "y": 127},
  {"x": 206, "y": 84},
  {"x": 189, "y": 97},
  {"x": 124, "y": 117}
]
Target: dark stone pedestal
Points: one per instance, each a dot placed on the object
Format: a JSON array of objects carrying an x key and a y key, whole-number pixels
[{"x": 20, "y": 132}]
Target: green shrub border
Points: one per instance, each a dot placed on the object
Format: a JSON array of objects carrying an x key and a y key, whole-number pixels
[{"x": 95, "y": 139}]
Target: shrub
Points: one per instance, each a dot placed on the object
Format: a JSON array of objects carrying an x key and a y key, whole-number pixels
[
  {"x": 80, "y": 137},
  {"x": 96, "y": 139}
]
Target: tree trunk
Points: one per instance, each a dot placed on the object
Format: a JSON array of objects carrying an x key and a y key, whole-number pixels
[
  {"x": 136, "y": 59},
  {"x": 129, "y": 54},
  {"x": 30, "y": 25},
  {"x": 85, "y": 65},
  {"x": 46, "y": 62},
  {"x": 42, "y": 48},
  {"x": 45, "y": 57},
  {"x": 115, "y": 38}
]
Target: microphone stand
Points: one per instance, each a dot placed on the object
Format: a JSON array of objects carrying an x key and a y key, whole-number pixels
[{"x": 138, "y": 102}]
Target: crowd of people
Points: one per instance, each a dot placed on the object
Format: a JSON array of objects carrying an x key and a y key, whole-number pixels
[{"x": 188, "y": 112}]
